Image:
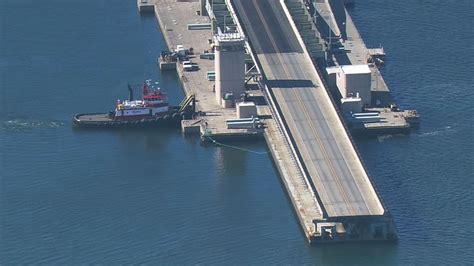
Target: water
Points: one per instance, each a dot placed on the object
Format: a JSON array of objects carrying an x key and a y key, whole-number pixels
[{"x": 146, "y": 197}]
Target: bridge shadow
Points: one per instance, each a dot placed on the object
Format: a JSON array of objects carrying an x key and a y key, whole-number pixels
[{"x": 289, "y": 83}]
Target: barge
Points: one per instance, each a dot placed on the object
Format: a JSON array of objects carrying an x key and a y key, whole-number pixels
[{"x": 375, "y": 121}]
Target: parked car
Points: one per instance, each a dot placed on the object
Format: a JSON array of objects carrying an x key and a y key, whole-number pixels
[{"x": 190, "y": 66}]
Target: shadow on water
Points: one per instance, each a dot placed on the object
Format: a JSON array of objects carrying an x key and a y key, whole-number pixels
[
  {"x": 145, "y": 16},
  {"x": 378, "y": 253},
  {"x": 150, "y": 138},
  {"x": 361, "y": 138}
]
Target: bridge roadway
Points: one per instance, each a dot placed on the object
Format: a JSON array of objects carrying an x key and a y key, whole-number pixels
[{"x": 328, "y": 155}]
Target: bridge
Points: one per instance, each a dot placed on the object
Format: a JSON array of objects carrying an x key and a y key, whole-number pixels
[{"x": 349, "y": 206}]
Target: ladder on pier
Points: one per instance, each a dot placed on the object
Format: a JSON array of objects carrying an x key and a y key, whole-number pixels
[{"x": 190, "y": 99}]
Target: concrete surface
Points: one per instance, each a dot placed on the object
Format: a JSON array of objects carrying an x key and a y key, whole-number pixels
[
  {"x": 334, "y": 167},
  {"x": 173, "y": 17}
]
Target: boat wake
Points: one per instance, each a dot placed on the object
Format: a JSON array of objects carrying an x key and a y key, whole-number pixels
[
  {"x": 382, "y": 138},
  {"x": 25, "y": 124},
  {"x": 444, "y": 130}
]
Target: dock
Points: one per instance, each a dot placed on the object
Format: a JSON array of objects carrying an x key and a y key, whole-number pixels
[
  {"x": 352, "y": 49},
  {"x": 146, "y": 6},
  {"x": 378, "y": 52},
  {"x": 357, "y": 53},
  {"x": 174, "y": 17},
  {"x": 326, "y": 180},
  {"x": 349, "y": 69}
]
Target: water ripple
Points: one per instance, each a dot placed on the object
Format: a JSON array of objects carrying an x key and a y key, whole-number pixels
[
  {"x": 444, "y": 130},
  {"x": 17, "y": 125}
]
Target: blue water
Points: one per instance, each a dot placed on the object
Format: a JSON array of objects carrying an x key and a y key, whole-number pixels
[{"x": 73, "y": 197}]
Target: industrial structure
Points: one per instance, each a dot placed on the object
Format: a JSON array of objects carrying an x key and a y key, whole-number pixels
[
  {"x": 288, "y": 43},
  {"x": 229, "y": 66},
  {"x": 350, "y": 208},
  {"x": 353, "y": 80}
]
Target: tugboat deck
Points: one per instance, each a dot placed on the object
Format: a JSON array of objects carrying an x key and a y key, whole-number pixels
[{"x": 95, "y": 117}]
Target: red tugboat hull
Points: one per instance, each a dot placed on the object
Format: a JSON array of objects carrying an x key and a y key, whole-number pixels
[
  {"x": 152, "y": 110},
  {"x": 104, "y": 120}
]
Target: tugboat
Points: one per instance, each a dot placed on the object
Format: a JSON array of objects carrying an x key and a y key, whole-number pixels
[{"x": 152, "y": 110}]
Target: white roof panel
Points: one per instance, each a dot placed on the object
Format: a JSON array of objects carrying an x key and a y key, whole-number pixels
[
  {"x": 246, "y": 104},
  {"x": 356, "y": 69},
  {"x": 351, "y": 99},
  {"x": 333, "y": 70}
]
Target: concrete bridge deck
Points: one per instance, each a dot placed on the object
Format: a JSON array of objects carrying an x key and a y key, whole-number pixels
[{"x": 328, "y": 155}]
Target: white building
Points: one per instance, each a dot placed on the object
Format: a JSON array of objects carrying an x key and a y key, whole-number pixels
[
  {"x": 246, "y": 110},
  {"x": 351, "y": 105},
  {"x": 354, "y": 79}
]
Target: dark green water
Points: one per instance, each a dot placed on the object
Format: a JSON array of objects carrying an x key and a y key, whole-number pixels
[{"x": 69, "y": 197}]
